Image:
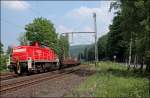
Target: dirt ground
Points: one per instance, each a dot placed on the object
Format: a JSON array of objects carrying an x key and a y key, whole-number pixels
[{"x": 54, "y": 87}]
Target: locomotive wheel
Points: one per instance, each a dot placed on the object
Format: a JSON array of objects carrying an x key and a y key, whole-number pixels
[
  {"x": 29, "y": 72},
  {"x": 59, "y": 66},
  {"x": 18, "y": 71},
  {"x": 37, "y": 70},
  {"x": 43, "y": 68},
  {"x": 47, "y": 69},
  {"x": 15, "y": 70}
]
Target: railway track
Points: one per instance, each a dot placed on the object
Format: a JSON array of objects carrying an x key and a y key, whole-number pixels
[
  {"x": 8, "y": 87},
  {"x": 5, "y": 73},
  {"x": 8, "y": 76}
]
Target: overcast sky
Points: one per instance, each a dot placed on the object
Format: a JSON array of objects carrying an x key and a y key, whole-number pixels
[{"x": 67, "y": 16}]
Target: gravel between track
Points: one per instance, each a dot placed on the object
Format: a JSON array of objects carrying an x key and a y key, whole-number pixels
[{"x": 55, "y": 87}]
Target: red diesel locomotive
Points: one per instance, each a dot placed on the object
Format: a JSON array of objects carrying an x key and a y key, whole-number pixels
[{"x": 33, "y": 58}]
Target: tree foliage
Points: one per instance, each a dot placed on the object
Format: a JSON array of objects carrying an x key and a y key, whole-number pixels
[
  {"x": 1, "y": 53},
  {"x": 3, "y": 58},
  {"x": 116, "y": 45},
  {"x": 9, "y": 50},
  {"x": 102, "y": 47},
  {"x": 1, "y": 48},
  {"x": 63, "y": 46},
  {"x": 41, "y": 30}
]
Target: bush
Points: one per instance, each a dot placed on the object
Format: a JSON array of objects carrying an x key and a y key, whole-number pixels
[{"x": 3, "y": 66}]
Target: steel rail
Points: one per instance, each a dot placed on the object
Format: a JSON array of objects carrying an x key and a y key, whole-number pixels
[
  {"x": 6, "y": 77},
  {"x": 11, "y": 87}
]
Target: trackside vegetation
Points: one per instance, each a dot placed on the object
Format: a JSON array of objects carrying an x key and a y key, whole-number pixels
[
  {"x": 113, "y": 80},
  {"x": 2, "y": 59}
]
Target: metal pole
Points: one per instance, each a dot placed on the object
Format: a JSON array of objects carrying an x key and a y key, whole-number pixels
[
  {"x": 130, "y": 52},
  {"x": 95, "y": 28},
  {"x": 69, "y": 45}
]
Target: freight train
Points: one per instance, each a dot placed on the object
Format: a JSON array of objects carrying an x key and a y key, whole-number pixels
[{"x": 36, "y": 58}]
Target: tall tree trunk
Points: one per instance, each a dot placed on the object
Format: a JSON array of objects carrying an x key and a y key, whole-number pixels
[
  {"x": 141, "y": 68},
  {"x": 135, "y": 61},
  {"x": 147, "y": 68}
]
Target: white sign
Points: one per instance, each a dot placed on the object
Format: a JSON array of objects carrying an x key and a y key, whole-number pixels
[
  {"x": 38, "y": 51},
  {"x": 20, "y": 50}
]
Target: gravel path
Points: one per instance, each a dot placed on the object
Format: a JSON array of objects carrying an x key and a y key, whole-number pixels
[{"x": 53, "y": 88}]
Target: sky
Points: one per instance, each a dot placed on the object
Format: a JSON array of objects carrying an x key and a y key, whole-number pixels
[{"x": 67, "y": 16}]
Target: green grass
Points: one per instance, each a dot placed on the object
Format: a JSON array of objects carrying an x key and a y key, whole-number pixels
[{"x": 113, "y": 80}]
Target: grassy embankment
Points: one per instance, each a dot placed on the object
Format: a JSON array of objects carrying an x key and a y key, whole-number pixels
[{"x": 113, "y": 80}]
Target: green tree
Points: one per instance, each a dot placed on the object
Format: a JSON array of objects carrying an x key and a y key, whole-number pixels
[
  {"x": 1, "y": 53},
  {"x": 86, "y": 54},
  {"x": 63, "y": 47},
  {"x": 116, "y": 44},
  {"x": 9, "y": 50},
  {"x": 43, "y": 31},
  {"x": 135, "y": 22},
  {"x": 2, "y": 58},
  {"x": 1, "y": 48},
  {"x": 102, "y": 47},
  {"x": 91, "y": 53}
]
